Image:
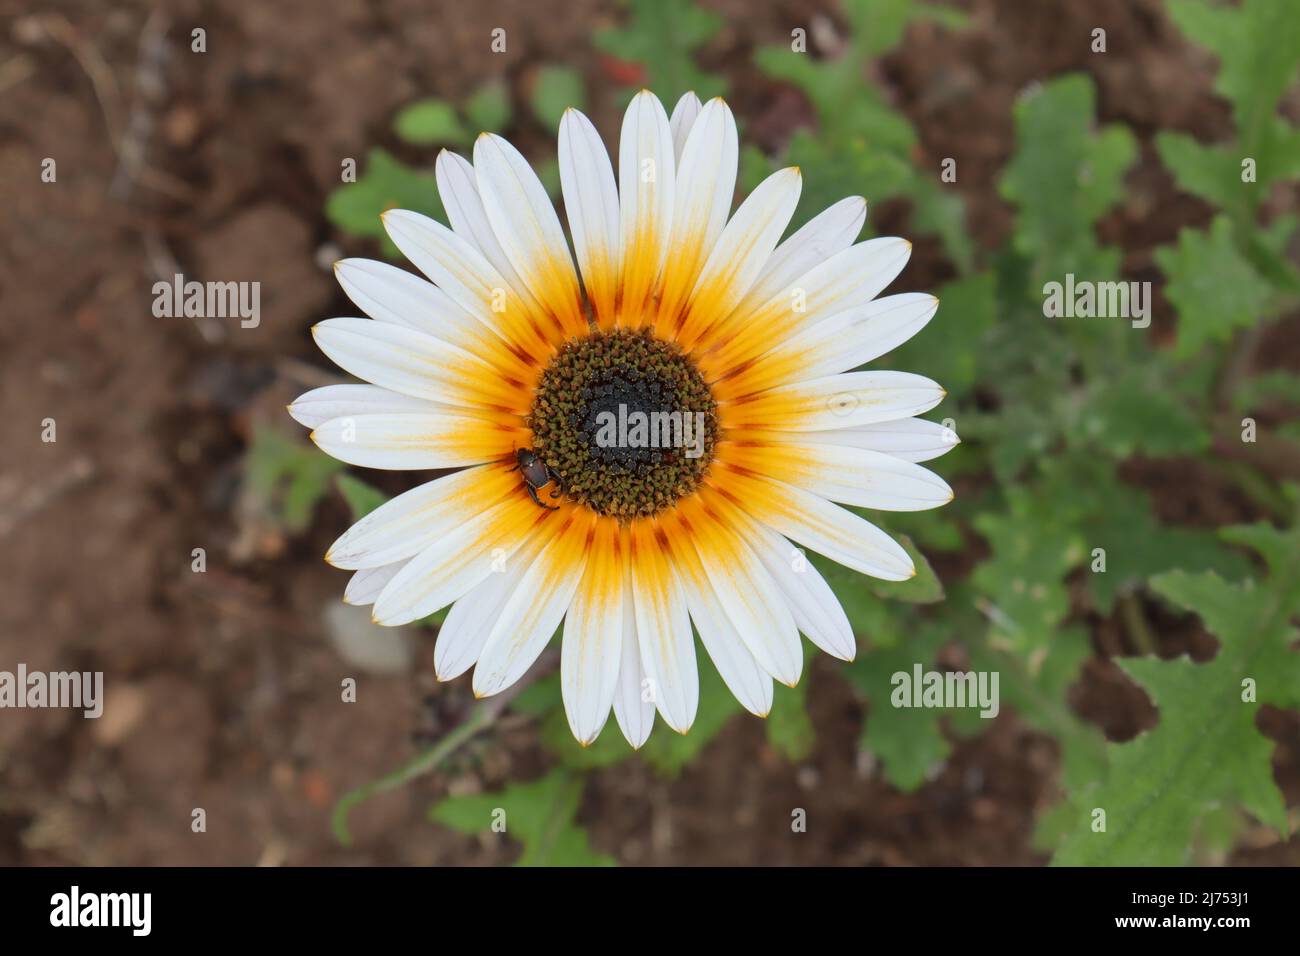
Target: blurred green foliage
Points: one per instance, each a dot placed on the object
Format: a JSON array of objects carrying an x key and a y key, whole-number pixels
[
  {"x": 861, "y": 144},
  {"x": 1047, "y": 536},
  {"x": 661, "y": 37},
  {"x": 386, "y": 182},
  {"x": 538, "y": 814},
  {"x": 556, "y": 89},
  {"x": 1206, "y": 751},
  {"x": 287, "y": 478}
]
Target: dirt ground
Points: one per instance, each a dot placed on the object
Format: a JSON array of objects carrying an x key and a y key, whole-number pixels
[{"x": 223, "y": 689}]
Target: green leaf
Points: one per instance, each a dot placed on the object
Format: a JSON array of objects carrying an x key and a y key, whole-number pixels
[
  {"x": 430, "y": 121},
  {"x": 935, "y": 530},
  {"x": 1034, "y": 543},
  {"x": 361, "y": 497},
  {"x": 540, "y": 815},
  {"x": 386, "y": 184},
  {"x": 1215, "y": 290},
  {"x": 548, "y": 171},
  {"x": 1258, "y": 46},
  {"x": 1063, "y": 177},
  {"x": 836, "y": 167},
  {"x": 968, "y": 308},
  {"x": 1206, "y": 748},
  {"x": 1275, "y": 386},
  {"x": 923, "y": 588},
  {"x": 755, "y": 166},
  {"x": 872, "y": 619},
  {"x": 878, "y": 25},
  {"x": 1137, "y": 546},
  {"x": 1128, "y": 416},
  {"x": 909, "y": 741},
  {"x": 863, "y": 145},
  {"x": 662, "y": 36},
  {"x": 1210, "y": 172},
  {"x": 1267, "y": 249},
  {"x": 288, "y": 477},
  {"x": 1036, "y": 686},
  {"x": 555, "y": 90},
  {"x": 488, "y": 110},
  {"x": 539, "y": 698}
]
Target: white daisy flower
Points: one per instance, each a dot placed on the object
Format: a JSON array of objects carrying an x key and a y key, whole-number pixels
[{"x": 501, "y": 365}]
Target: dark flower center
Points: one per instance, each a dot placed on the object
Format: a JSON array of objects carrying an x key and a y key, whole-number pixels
[{"x": 626, "y": 421}]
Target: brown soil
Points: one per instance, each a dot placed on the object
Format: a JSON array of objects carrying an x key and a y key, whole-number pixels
[{"x": 224, "y": 691}]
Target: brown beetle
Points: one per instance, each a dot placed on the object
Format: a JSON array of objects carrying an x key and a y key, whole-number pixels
[{"x": 537, "y": 474}]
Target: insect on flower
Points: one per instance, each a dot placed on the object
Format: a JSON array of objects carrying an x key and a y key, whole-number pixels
[{"x": 536, "y": 474}]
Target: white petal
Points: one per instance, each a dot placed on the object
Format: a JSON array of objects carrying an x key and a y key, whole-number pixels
[
  {"x": 684, "y": 115},
  {"x": 462, "y": 272},
  {"x": 365, "y": 585},
  {"x": 817, "y": 611},
  {"x": 746, "y": 243},
  {"x": 818, "y": 524},
  {"x": 591, "y": 201},
  {"x": 852, "y": 476},
  {"x": 533, "y": 612},
  {"x": 458, "y": 188},
  {"x": 388, "y": 294},
  {"x": 705, "y": 185},
  {"x": 406, "y": 525},
  {"x": 405, "y": 441},
  {"x": 747, "y": 681},
  {"x": 843, "y": 341},
  {"x": 471, "y": 619},
  {"x": 634, "y": 712},
  {"x": 318, "y": 406},
  {"x": 847, "y": 400},
  {"x": 752, "y": 602},
  {"x": 409, "y": 362},
  {"x": 646, "y": 181},
  {"x": 844, "y": 282},
  {"x": 911, "y": 439},
  {"x": 593, "y": 639},
  {"x": 664, "y": 633},
  {"x": 448, "y": 568},
  {"x": 822, "y": 237},
  {"x": 527, "y": 227}
]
